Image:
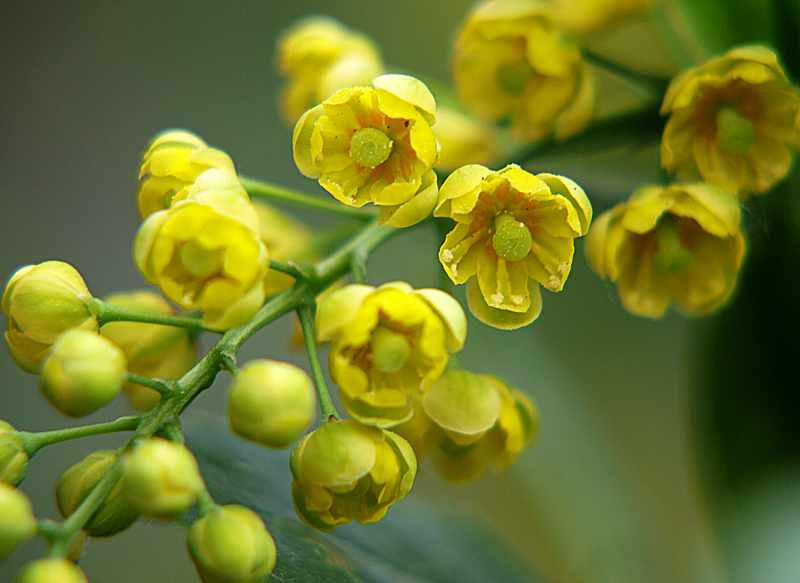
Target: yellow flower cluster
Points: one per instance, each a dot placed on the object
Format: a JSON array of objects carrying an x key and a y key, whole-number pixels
[
  {"x": 514, "y": 232},
  {"x": 511, "y": 61}
]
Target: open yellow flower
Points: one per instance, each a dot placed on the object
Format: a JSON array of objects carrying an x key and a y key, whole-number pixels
[
  {"x": 319, "y": 56},
  {"x": 172, "y": 161},
  {"x": 388, "y": 344},
  {"x": 681, "y": 243},
  {"x": 286, "y": 238},
  {"x": 374, "y": 144},
  {"x": 733, "y": 121},
  {"x": 463, "y": 140},
  {"x": 585, "y": 16},
  {"x": 514, "y": 231},
  {"x": 205, "y": 253},
  {"x": 345, "y": 471},
  {"x": 512, "y": 62}
]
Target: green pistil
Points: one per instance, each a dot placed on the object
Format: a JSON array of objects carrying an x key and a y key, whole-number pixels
[
  {"x": 390, "y": 350},
  {"x": 512, "y": 240},
  {"x": 370, "y": 147},
  {"x": 671, "y": 254},
  {"x": 513, "y": 77},
  {"x": 734, "y": 131}
]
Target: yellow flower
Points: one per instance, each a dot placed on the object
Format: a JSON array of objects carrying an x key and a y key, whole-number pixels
[
  {"x": 205, "y": 253},
  {"x": 585, "y": 16},
  {"x": 463, "y": 140},
  {"x": 51, "y": 571},
  {"x": 388, "y": 344},
  {"x": 40, "y": 303},
  {"x": 514, "y": 231},
  {"x": 477, "y": 421},
  {"x": 286, "y": 238},
  {"x": 681, "y": 243},
  {"x": 172, "y": 161},
  {"x": 374, "y": 144},
  {"x": 344, "y": 471},
  {"x": 320, "y": 56},
  {"x": 512, "y": 62},
  {"x": 152, "y": 350},
  {"x": 733, "y": 121}
]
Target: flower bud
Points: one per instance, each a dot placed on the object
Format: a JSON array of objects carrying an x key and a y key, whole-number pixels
[
  {"x": 51, "y": 571},
  {"x": 231, "y": 545},
  {"x": 83, "y": 373},
  {"x": 152, "y": 350},
  {"x": 13, "y": 457},
  {"x": 161, "y": 479},
  {"x": 114, "y": 514},
  {"x": 271, "y": 403},
  {"x": 17, "y": 523},
  {"x": 41, "y": 302}
]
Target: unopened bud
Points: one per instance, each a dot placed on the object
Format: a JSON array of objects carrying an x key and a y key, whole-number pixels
[
  {"x": 51, "y": 571},
  {"x": 13, "y": 457},
  {"x": 17, "y": 523}
]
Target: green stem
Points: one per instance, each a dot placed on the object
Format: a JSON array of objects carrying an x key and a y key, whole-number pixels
[
  {"x": 205, "y": 503},
  {"x": 267, "y": 190},
  {"x": 359, "y": 266},
  {"x": 654, "y": 84},
  {"x": 290, "y": 268},
  {"x": 163, "y": 387},
  {"x": 327, "y": 409},
  {"x": 106, "y": 313},
  {"x": 36, "y": 441}
]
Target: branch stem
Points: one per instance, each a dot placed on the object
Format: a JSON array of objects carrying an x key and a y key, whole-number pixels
[
  {"x": 306, "y": 313},
  {"x": 36, "y": 441},
  {"x": 106, "y": 313}
]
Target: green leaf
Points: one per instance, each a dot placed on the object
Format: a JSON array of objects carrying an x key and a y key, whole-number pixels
[{"x": 414, "y": 543}]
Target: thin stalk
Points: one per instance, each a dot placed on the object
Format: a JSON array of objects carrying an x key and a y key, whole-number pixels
[
  {"x": 163, "y": 387},
  {"x": 290, "y": 268},
  {"x": 36, "y": 441},
  {"x": 106, "y": 313},
  {"x": 359, "y": 266},
  {"x": 267, "y": 190},
  {"x": 327, "y": 409},
  {"x": 652, "y": 83}
]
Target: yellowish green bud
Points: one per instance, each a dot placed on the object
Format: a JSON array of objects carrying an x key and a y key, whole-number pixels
[
  {"x": 512, "y": 239},
  {"x": 390, "y": 350},
  {"x": 51, "y": 571},
  {"x": 41, "y": 302},
  {"x": 272, "y": 403},
  {"x": 161, "y": 479},
  {"x": 370, "y": 147},
  {"x": 114, "y": 514},
  {"x": 13, "y": 457},
  {"x": 17, "y": 523},
  {"x": 231, "y": 545},
  {"x": 735, "y": 132},
  {"x": 671, "y": 254},
  {"x": 83, "y": 373}
]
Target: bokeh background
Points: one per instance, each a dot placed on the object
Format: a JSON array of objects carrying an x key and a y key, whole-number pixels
[{"x": 669, "y": 449}]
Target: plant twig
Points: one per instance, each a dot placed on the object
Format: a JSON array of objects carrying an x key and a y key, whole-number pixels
[
  {"x": 327, "y": 409},
  {"x": 107, "y": 313}
]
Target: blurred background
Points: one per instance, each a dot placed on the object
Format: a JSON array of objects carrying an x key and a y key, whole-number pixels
[{"x": 669, "y": 450}]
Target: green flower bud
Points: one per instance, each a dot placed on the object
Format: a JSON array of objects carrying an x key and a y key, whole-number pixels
[
  {"x": 114, "y": 514},
  {"x": 41, "y": 302},
  {"x": 271, "y": 403},
  {"x": 13, "y": 457},
  {"x": 51, "y": 571},
  {"x": 83, "y": 373},
  {"x": 231, "y": 545},
  {"x": 17, "y": 523},
  {"x": 161, "y": 479}
]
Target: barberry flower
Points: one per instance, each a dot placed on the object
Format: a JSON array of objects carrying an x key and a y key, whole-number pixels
[
  {"x": 286, "y": 238},
  {"x": 345, "y": 471},
  {"x": 13, "y": 456},
  {"x": 463, "y": 140},
  {"x": 173, "y": 160},
  {"x": 17, "y": 523},
  {"x": 114, "y": 515},
  {"x": 733, "y": 121},
  {"x": 152, "y": 350},
  {"x": 161, "y": 479},
  {"x": 586, "y": 16},
  {"x": 388, "y": 344},
  {"x": 477, "y": 422},
  {"x": 205, "y": 253},
  {"x": 230, "y": 544},
  {"x": 40, "y": 303},
  {"x": 514, "y": 231},
  {"x": 374, "y": 144},
  {"x": 319, "y": 56},
  {"x": 83, "y": 373},
  {"x": 681, "y": 243},
  {"x": 271, "y": 402},
  {"x": 511, "y": 61},
  {"x": 51, "y": 571}
]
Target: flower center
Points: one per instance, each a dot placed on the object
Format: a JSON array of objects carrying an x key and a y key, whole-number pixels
[
  {"x": 390, "y": 350},
  {"x": 512, "y": 240},
  {"x": 734, "y": 131},
  {"x": 370, "y": 147},
  {"x": 513, "y": 77},
  {"x": 671, "y": 254},
  {"x": 199, "y": 261}
]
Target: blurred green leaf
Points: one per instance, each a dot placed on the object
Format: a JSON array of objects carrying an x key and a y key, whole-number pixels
[
  {"x": 415, "y": 543},
  {"x": 721, "y": 24}
]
